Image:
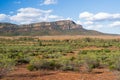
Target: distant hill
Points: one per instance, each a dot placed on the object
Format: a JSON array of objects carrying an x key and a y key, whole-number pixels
[{"x": 63, "y": 27}]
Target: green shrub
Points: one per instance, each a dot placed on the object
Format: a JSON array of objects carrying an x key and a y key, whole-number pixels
[
  {"x": 40, "y": 43},
  {"x": 83, "y": 52},
  {"x": 90, "y": 62},
  {"x": 112, "y": 67},
  {"x": 114, "y": 62},
  {"x": 6, "y": 65},
  {"x": 30, "y": 67},
  {"x": 50, "y": 64},
  {"x": 118, "y": 64},
  {"x": 45, "y": 64},
  {"x": 52, "y": 55},
  {"x": 69, "y": 64}
]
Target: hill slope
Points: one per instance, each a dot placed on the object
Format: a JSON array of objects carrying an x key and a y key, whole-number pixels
[{"x": 63, "y": 27}]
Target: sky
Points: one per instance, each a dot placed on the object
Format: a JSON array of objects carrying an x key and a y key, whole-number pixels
[{"x": 100, "y": 15}]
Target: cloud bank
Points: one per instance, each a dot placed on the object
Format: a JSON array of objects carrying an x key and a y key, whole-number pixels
[
  {"x": 30, "y": 15},
  {"x": 99, "y": 20},
  {"x": 48, "y": 2},
  {"x": 101, "y": 16}
]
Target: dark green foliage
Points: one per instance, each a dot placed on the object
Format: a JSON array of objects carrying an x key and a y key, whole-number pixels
[
  {"x": 30, "y": 67},
  {"x": 39, "y": 43},
  {"x": 39, "y": 64}
]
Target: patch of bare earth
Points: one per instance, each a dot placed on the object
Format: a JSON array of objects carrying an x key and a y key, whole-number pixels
[{"x": 21, "y": 73}]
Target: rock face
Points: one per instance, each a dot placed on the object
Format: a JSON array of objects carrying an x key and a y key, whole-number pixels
[{"x": 63, "y": 27}]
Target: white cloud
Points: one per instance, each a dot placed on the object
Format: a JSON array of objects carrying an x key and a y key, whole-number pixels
[
  {"x": 53, "y": 16},
  {"x": 116, "y": 16},
  {"x": 86, "y": 15},
  {"x": 115, "y": 24},
  {"x": 3, "y": 17},
  {"x": 48, "y": 2},
  {"x": 30, "y": 15},
  {"x": 68, "y": 18},
  {"x": 94, "y": 27},
  {"x": 79, "y": 22},
  {"x": 88, "y": 23},
  {"x": 100, "y": 20},
  {"x": 101, "y": 16}
]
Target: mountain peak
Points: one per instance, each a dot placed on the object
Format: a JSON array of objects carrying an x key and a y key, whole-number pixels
[{"x": 62, "y": 27}]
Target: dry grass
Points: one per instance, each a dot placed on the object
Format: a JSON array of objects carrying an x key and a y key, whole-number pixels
[{"x": 63, "y": 37}]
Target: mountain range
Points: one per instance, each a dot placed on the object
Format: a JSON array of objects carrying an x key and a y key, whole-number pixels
[{"x": 62, "y": 27}]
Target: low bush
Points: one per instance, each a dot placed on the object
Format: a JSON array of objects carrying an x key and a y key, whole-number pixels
[
  {"x": 51, "y": 64},
  {"x": 114, "y": 63},
  {"x": 70, "y": 64},
  {"x": 90, "y": 62},
  {"x": 30, "y": 67},
  {"x": 44, "y": 64},
  {"x": 6, "y": 65}
]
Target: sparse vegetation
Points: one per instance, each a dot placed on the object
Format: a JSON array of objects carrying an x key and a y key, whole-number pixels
[
  {"x": 6, "y": 65},
  {"x": 64, "y": 55}
]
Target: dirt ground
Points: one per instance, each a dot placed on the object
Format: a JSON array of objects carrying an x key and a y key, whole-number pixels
[{"x": 21, "y": 73}]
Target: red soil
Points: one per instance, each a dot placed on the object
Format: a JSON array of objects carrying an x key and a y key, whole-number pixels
[{"x": 21, "y": 73}]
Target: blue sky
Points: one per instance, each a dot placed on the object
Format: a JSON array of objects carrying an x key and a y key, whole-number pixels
[{"x": 100, "y": 15}]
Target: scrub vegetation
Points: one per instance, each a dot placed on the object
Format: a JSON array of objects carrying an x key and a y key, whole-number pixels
[{"x": 59, "y": 55}]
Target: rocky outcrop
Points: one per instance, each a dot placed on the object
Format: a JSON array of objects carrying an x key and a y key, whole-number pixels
[{"x": 63, "y": 27}]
